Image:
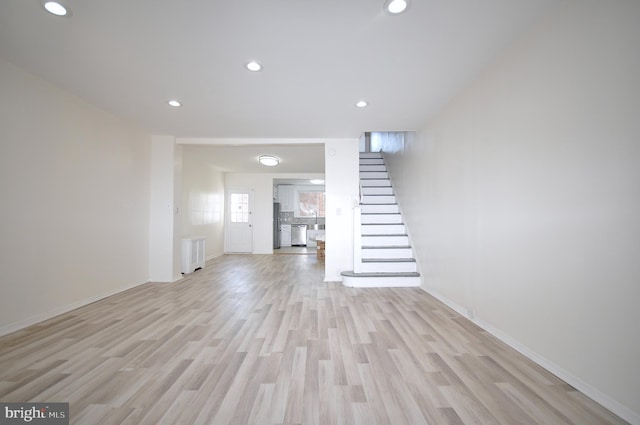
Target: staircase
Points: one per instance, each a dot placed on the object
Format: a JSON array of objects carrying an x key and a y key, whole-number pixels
[{"x": 383, "y": 256}]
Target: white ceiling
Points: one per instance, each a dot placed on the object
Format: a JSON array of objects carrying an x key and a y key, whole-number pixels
[
  {"x": 294, "y": 159},
  {"x": 319, "y": 57}
]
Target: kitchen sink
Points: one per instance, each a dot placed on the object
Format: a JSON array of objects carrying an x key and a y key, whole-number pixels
[{"x": 315, "y": 226}]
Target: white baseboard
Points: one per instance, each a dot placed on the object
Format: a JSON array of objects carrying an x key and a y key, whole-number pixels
[
  {"x": 590, "y": 391},
  {"x": 16, "y": 326}
]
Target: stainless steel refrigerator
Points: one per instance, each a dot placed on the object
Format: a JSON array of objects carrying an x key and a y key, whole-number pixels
[{"x": 276, "y": 225}]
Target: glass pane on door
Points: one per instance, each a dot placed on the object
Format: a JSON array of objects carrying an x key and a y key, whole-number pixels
[{"x": 239, "y": 206}]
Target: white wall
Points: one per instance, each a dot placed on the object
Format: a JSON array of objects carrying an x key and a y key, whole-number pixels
[
  {"x": 165, "y": 214},
  {"x": 203, "y": 200},
  {"x": 74, "y": 187},
  {"x": 523, "y": 198},
  {"x": 341, "y": 187}
]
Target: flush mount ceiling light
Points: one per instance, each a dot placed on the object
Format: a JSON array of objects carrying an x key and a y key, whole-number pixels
[
  {"x": 361, "y": 104},
  {"x": 254, "y": 66},
  {"x": 269, "y": 160},
  {"x": 316, "y": 181},
  {"x": 55, "y": 8},
  {"x": 395, "y": 6},
  {"x": 174, "y": 102}
]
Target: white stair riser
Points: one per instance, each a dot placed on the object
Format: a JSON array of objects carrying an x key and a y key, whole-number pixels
[
  {"x": 374, "y": 167},
  {"x": 390, "y": 208},
  {"x": 375, "y": 182},
  {"x": 390, "y": 267},
  {"x": 371, "y": 161},
  {"x": 379, "y": 199},
  {"x": 390, "y": 253},
  {"x": 370, "y": 155},
  {"x": 381, "y": 218},
  {"x": 374, "y": 175},
  {"x": 387, "y": 190},
  {"x": 385, "y": 240},
  {"x": 383, "y": 229},
  {"x": 380, "y": 282}
]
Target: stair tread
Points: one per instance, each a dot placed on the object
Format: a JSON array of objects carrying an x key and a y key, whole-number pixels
[{"x": 380, "y": 274}]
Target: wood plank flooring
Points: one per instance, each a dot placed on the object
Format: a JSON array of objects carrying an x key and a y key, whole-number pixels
[{"x": 261, "y": 339}]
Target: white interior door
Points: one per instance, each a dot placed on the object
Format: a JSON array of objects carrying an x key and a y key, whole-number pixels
[{"x": 239, "y": 228}]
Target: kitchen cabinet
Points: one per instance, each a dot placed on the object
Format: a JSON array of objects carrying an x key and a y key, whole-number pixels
[
  {"x": 286, "y": 196},
  {"x": 285, "y": 235}
]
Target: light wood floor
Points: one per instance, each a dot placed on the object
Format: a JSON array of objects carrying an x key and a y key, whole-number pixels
[
  {"x": 262, "y": 340},
  {"x": 302, "y": 250}
]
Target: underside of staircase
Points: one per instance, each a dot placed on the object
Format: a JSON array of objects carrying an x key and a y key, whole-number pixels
[{"x": 385, "y": 256}]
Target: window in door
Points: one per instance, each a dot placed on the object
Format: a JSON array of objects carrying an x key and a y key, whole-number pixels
[{"x": 239, "y": 208}]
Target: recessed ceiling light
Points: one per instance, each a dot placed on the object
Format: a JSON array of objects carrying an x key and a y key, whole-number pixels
[
  {"x": 269, "y": 160},
  {"x": 254, "y": 66},
  {"x": 395, "y": 6},
  {"x": 55, "y": 8},
  {"x": 361, "y": 104},
  {"x": 174, "y": 102}
]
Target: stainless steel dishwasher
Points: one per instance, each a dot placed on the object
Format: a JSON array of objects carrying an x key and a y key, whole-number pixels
[{"x": 298, "y": 235}]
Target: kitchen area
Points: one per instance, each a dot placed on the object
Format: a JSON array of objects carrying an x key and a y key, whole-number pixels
[{"x": 299, "y": 217}]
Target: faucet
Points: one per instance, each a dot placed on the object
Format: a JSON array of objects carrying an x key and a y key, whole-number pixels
[{"x": 316, "y": 214}]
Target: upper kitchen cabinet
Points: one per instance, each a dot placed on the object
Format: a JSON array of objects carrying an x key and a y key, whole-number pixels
[{"x": 287, "y": 197}]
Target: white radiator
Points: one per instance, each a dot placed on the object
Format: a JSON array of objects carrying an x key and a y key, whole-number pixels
[{"x": 192, "y": 254}]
